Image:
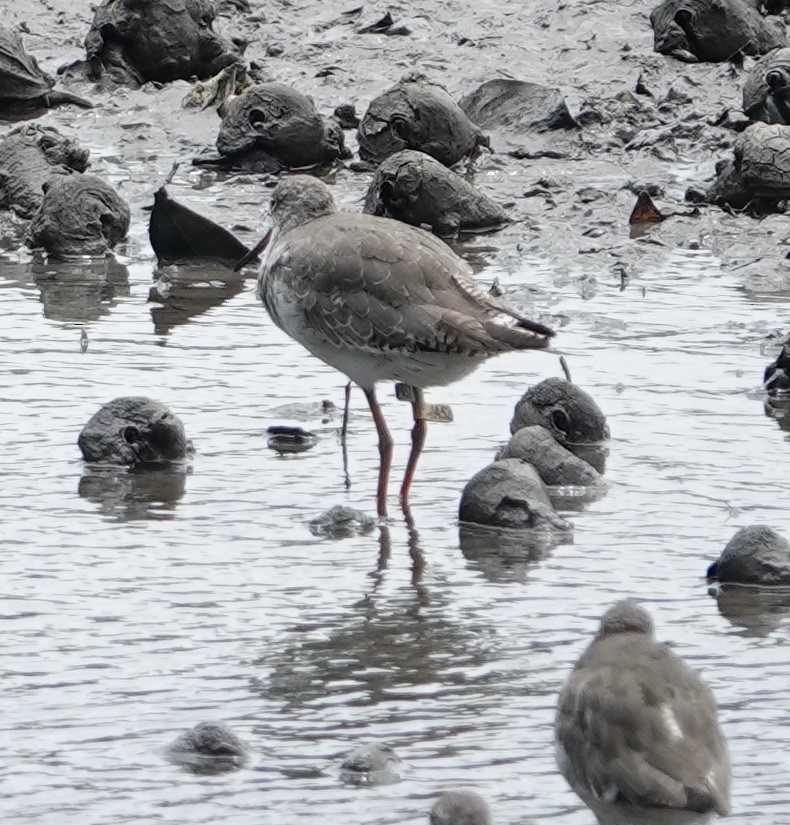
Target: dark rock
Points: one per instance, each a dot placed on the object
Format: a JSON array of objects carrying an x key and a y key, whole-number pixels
[
  {"x": 135, "y": 432},
  {"x": 518, "y": 105},
  {"x": 346, "y": 116},
  {"x": 766, "y": 88},
  {"x": 509, "y": 493},
  {"x": 420, "y": 115},
  {"x": 179, "y": 235},
  {"x": 414, "y": 188},
  {"x": 776, "y": 377},
  {"x": 22, "y": 81},
  {"x": 371, "y": 765},
  {"x": 272, "y": 126},
  {"x": 460, "y": 808},
  {"x": 209, "y": 748},
  {"x": 757, "y": 179},
  {"x": 30, "y": 156},
  {"x": 754, "y": 555},
  {"x": 341, "y": 522},
  {"x": 713, "y": 31},
  {"x": 79, "y": 215},
  {"x": 570, "y": 415},
  {"x": 556, "y": 465},
  {"x": 136, "y": 41}
]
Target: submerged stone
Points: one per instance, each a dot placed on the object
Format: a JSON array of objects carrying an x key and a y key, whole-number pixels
[
  {"x": 371, "y": 765},
  {"x": 136, "y": 41},
  {"x": 209, "y": 748},
  {"x": 29, "y": 157},
  {"x": 420, "y": 115},
  {"x": 570, "y": 415},
  {"x": 136, "y": 432},
  {"x": 460, "y": 808},
  {"x": 509, "y": 493},
  {"x": 341, "y": 522},
  {"x": 713, "y": 31},
  {"x": 414, "y": 188},
  {"x": 283, "y": 439},
  {"x": 517, "y": 104},
  {"x": 79, "y": 215},
  {"x": 272, "y": 126},
  {"x": 754, "y": 555}
]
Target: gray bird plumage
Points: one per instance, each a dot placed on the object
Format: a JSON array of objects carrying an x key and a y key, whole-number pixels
[{"x": 637, "y": 730}]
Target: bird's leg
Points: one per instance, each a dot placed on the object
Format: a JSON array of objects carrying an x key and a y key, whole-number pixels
[
  {"x": 385, "y": 451},
  {"x": 346, "y": 407},
  {"x": 418, "y": 433}
]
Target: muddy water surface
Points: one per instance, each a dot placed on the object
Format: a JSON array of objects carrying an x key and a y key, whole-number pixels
[{"x": 134, "y": 608}]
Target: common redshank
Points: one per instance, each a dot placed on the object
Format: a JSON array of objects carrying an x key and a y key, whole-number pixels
[
  {"x": 380, "y": 301},
  {"x": 637, "y": 730}
]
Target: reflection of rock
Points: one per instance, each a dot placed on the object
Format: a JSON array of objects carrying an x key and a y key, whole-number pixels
[
  {"x": 414, "y": 188},
  {"x": 460, "y": 808},
  {"x": 209, "y": 748},
  {"x": 754, "y": 555},
  {"x": 779, "y": 410},
  {"x": 507, "y": 555},
  {"x": 79, "y": 291},
  {"x": 713, "y": 31},
  {"x": 189, "y": 290},
  {"x": 509, "y": 493},
  {"x": 570, "y": 415},
  {"x": 129, "y": 495},
  {"x": 134, "y": 431},
  {"x": 371, "y": 765},
  {"x": 417, "y": 114},
  {"x": 79, "y": 215},
  {"x": 133, "y": 42},
  {"x": 759, "y": 610}
]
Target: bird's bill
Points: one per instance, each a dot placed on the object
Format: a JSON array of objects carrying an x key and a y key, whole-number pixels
[{"x": 254, "y": 252}]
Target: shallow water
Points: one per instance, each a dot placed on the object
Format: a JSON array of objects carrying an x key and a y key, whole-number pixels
[{"x": 127, "y": 620}]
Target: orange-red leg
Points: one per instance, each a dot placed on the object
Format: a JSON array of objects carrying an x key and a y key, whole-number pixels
[
  {"x": 418, "y": 434},
  {"x": 385, "y": 451}
]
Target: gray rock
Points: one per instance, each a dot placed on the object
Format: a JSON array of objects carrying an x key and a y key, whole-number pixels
[
  {"x": 570, "y": 415},
  {"x": 420, "y": 115},
  {"x": 754, "y": 555},
  {"x": 371, "y": 765},
  {"x": 79, "y": 215},
  {"x": 776, "y": 376},
  {"x": 766, "y": 88},
  {"x": 414, "y": 188},
  {"x": 272, "y": 126},
  {"x": 517, "y": 105},
  {"x": 460, "y": 808},
  {"x": 555, "y": 465},
  {"x": 134, "y": 432},
  {"x": 135, "y": 41},
  {"x": 509, "y": 493},
  {"x": 209, "y": 748},
  {"x": 712, "y": 31},
  {"x": 341, "y": 522},
  {"x": 30, "y": 156},
  {"x": 23, "y": 81}
]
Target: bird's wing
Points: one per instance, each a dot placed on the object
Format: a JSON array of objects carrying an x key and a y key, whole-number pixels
[
  {"x": 649, "y": 737},
  {"x": 386, "y": 285}
]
